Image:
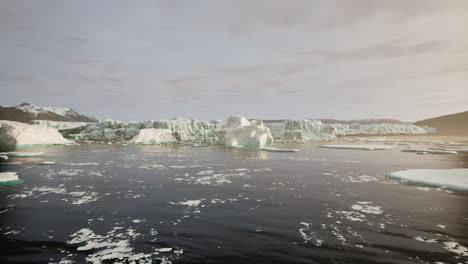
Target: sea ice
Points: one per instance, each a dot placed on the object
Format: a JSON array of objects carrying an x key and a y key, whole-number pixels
[
  {"x": 449, "y": 178},
  {"x": 153, "y": 136},
  {"x": 23, "y": 154},
  {"x": 8, "y": 178},
  {"x": 429, "y": 151},
  {"x": 363, "y": 147},
  {"x": 271, "y": 149},
  {"x": 46, "y": 163}
]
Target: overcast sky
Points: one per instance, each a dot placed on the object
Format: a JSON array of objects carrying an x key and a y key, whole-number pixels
[{"x": 138, "y": 60}]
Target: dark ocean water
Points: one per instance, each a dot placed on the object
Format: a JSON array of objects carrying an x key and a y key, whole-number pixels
[{"x": 181, "y": 204}]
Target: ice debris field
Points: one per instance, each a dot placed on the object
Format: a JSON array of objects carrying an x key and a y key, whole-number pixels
[{"x": 179, "y": 183}]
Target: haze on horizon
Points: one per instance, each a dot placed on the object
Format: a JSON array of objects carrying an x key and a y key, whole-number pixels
[{"x": 269, "y": 59}]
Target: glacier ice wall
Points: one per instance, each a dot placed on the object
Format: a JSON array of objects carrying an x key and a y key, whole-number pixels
[
  {"x": 60, "y": 125},
  {"x": 215, "y": 131},
  {"x": 182, "y": 129},
  {"x": 306, "y": 130}
]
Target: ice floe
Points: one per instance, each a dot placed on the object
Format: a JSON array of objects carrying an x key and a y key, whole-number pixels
[
  {"x": 449, "y": 178},
  {"x": 271, "y": 149},
  {"x": 361, "y": 147},
  {"x": 7, "y": 178},
  {"x": 46, "y": 163},
  {"x": 456, "y": 248},
  {"x": 23, "y": 154},
  {"x": 429, "y": 151}
]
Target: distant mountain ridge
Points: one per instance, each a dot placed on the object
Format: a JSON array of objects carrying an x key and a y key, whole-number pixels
[
  {"x": 27, "y": 112},
  {"x": 454, "y": 124}
]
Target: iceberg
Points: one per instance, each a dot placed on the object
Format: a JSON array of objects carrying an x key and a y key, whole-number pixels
[
  {"x": 153, "y": 136},
  {"x": 449, "y": 178},
  {"x": 250, "y": 136},
  {"x": 15, "y": 134},
  {"x": 241, "y": 133},
  {"x": 8, "y": 178},
  {"x": 362, "y": 147},
  {"x": 307, "y": 130}
]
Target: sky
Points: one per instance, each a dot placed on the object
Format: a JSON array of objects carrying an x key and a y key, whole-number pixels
[{"x": 265, "y": 59}]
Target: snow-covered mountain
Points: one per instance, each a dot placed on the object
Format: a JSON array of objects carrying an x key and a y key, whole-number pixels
[{"x": 27, "y": 112}]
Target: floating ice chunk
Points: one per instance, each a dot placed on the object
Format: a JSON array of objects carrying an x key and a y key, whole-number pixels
[
  {"x": 191, "y": 203},
  {"x": 23, "y": 154},
  {"x": 14, "y": 134},
  {"x": 451, "y": 178},
  {"x": 430, "y": 151},
  {"x": 7, "y": 178},
  {"x": 456, "y": 248},
  {"x": 164, "y": 249},
  {"x": 250, "y": 136},
  {"x": 458, "y": 150},
  {"x": 363, "y": 147},
  {"x": 46, "y": 163},
  {"x": 154, "y": 136},
  {"x": 3, "y": 157},
  {"x": 366, "y": 207},
  {"x": 271, "y": 149},
  {"x": 425, "y": 239}
]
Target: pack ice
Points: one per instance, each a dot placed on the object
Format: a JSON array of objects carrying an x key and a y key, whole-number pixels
[
  {"x": 450, "y": 178},
  {"x": 14, "y": 134},
  {"x": 153, "y": 136}
]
